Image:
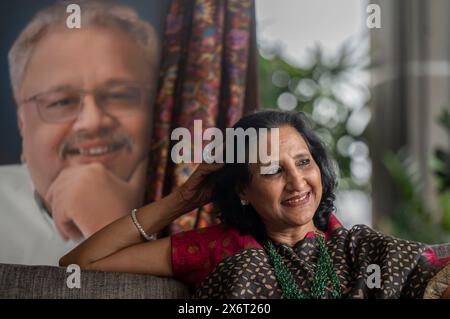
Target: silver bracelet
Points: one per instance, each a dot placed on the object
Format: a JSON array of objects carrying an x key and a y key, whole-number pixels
[{"x": 139, "y": 227}]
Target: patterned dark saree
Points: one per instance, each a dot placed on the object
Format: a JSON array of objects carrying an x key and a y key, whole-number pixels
[{"x": 406, "y": 267}]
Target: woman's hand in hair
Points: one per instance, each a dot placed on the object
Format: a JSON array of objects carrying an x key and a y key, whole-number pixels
[{"x": 197, "y": 190}]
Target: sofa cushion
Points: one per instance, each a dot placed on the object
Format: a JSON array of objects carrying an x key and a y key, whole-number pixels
[{"x": 31, "y": 282}]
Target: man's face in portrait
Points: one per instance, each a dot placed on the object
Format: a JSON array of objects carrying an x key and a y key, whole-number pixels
[{"x": 109, "y": 122}]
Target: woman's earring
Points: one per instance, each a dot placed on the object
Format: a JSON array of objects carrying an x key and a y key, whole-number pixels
[{"x": 244, "y": 202}]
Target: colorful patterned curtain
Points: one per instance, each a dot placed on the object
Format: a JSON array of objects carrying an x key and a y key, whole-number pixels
[{"x": 208, "y": 73}]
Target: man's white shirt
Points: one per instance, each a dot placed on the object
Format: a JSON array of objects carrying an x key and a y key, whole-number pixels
[{"x": 28, "y": 234}]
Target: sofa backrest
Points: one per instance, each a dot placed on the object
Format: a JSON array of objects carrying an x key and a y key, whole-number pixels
[{"x": 35, "y": 282}]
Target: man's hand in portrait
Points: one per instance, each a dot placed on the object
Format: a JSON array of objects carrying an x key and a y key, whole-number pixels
[{"x": 78, "y": 193}]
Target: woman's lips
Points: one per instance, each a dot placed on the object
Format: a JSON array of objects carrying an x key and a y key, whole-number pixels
[{"x": 298, "y": 200}]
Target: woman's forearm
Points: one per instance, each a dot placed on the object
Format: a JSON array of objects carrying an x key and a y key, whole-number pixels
[{"x": 123, "y": 233}]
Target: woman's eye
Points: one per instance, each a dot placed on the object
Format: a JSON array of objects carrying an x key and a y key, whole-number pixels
[
  {"x": 303, "y": 162},
  {"x": 271, "y": 170}
]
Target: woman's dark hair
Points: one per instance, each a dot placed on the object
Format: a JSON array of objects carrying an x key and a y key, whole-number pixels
[{"x": 234, "y": 177}]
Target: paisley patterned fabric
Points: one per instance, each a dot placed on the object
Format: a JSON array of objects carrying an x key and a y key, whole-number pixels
[
  {"x": 195, "y": 253},
  {"x": 406, "y": 267},
  {"x": 204, "y": 75},
  {"x": 438, "y": 285}
]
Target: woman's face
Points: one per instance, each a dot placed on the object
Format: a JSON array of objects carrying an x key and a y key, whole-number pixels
[{"x": 288, "y": 194}]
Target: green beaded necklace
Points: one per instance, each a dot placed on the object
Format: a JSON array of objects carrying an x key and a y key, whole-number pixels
[{"x": 323, "y": 269}]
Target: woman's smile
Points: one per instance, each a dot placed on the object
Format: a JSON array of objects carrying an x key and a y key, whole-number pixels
[
  {"x": 287, "y": 196},
  {"x": 300, "y": 200}
]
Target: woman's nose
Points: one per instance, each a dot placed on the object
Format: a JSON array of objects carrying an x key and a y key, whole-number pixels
[{"x": 295, "y": 180}]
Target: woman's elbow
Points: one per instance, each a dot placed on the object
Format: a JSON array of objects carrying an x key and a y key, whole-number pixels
[{"x": 67, "y": 260}]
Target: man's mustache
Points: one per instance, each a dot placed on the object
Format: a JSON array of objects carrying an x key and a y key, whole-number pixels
[{"x": 108, "y": 136}]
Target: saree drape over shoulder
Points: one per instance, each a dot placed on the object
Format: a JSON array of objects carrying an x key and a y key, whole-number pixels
[{"x": 406, "y": 267}]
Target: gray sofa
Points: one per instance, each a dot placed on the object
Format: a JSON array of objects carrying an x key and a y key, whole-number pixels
[{"x": 36, "y": 282}]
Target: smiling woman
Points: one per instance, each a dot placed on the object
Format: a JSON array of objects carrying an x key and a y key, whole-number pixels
[
  {"x": 279, "y": 237},
  {"x": 305, "y": 165}
]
